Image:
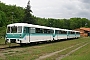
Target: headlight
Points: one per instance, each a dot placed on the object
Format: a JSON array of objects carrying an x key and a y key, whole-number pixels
[{"x": 20, "y": 36}]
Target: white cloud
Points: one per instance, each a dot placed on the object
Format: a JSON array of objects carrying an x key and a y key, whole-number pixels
[
  {"x": 21, "y": 3},
  {"x": 56, "y": 8}
]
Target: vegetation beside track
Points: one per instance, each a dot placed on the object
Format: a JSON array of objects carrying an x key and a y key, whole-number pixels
[{"x": 81, "y": 54}]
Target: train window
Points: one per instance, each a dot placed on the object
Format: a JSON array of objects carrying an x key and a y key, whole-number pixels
[
  {"x": 37, "y": 30},
  {"x": 63, "y": 32},
  {"x": 24, "y": 29},
  {"x": 32, "y": 30},
  {"x": 44, "y": 31},
  {"x": 19, "y": 29},
  {"x": 58, "y": 32},
  {"x": 41, "y": 30},
  {"x": 69, "y": 32},
  {"x": 52, "y": 31},
  {"x": 14, "y": 29},
  {"x": 77, "y": 32},
  {"x": 8, "y": 30},
  {"x": 47, "y": 31},
  {"x": 72, "y": 32}
]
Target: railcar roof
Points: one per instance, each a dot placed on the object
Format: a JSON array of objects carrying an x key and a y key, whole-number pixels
[
  {"x": 77, "y": 31},
  {"x": 60, "y": 29},
  {"x": 73, "y": 30},
  {"x": 29, "y": 25},
  {"x": 37, "y": 26},
  {"x": 17, "y": 24}
]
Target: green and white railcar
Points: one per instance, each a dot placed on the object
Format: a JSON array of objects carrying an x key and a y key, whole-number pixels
[
  {"x": 77, "y": 33},
  {"x": 73, "y": 34},
  {"x": 60, "y": 34},
  {"x": 26, "y": 33}
]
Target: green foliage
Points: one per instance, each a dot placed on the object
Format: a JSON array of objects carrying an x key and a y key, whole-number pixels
[
  {"x": 71, "y": 23},
  {"x": 2, "y": 19},
  {"x": 6, "y": 14},
  {"x": 2, "y": 31}
]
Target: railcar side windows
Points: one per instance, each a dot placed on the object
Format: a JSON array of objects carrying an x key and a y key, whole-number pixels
[
  {"x": 63, "y": 32},
  {"x": 77, "y": 32},
  {"x": 57, "y": 32},
  {"x": 32, "y": 30},
  {"x": 44, "y": 31},
  {"x": 37, "y": 30},
  {"x": 47, "y": 31},
  {"x": 72, "y": 32},
  {"x": 52, "y": 31}
]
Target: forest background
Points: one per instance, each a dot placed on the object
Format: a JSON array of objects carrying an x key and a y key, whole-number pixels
[{"x": 15, "y": 14}]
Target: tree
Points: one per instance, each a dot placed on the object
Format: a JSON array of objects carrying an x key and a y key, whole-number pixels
[
  {"x": 2, "y": 19},
  {"x": 28, "y": 18},
  {"x": 50, "y": 22}
]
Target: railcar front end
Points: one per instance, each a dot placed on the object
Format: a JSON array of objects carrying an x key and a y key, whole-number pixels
[{"x": 14, "y": 34}]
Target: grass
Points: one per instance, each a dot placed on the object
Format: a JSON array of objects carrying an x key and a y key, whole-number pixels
[
  {"x": 63, "y": 53},
  {"x": 81, "y": 54},
  {"x": 33, "y": 52},
  {"x": 2, "y": 40}
]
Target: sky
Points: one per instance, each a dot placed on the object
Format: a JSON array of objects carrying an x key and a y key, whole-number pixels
[{"x": 58, "y": 9}]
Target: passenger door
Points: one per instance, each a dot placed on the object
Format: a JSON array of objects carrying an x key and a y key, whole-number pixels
[{"x": 28, "y": 34}]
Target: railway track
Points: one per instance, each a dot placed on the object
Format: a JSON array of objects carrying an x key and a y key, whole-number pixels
[{"x": 8, "y": 47}]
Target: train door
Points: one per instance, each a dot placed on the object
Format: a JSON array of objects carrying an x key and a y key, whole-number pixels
[
  {"x": 54, "y": 35},
  {"x": 57, "y": 34},
  {"x": 28, "y": 34},
  {"x": 67, "y": 34}
]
